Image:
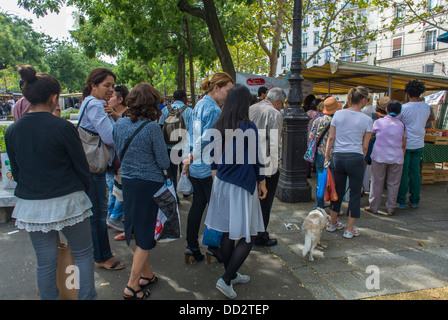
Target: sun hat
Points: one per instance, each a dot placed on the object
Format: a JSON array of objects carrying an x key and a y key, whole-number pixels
[
  {"x": 382, "y": 102},
  {"x": 331, "y": 105}
]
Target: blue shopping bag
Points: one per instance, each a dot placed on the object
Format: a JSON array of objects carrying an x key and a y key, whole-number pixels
[
  {"x": 321, "y": 182},
  {"x": 211, "y": 238}
]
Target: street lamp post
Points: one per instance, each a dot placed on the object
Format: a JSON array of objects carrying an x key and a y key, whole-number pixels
[{"x": 293, "y": 186}]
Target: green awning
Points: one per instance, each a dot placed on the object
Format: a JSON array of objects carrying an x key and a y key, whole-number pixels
[{"x": 443, "y": 37}]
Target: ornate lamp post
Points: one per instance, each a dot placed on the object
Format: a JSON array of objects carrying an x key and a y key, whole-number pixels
[{"x": 293, "y": 186}]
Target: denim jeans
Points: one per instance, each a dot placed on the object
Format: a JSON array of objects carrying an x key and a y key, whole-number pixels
[
  {"x": 46, "y": 249},
  {"x": 98, "y": 196},
  {"x": 115, "y": 208},
  {"x": 201, "y": 196},
  {"x": 320, "y": 160},
  {"x": 411, "y": 178}
]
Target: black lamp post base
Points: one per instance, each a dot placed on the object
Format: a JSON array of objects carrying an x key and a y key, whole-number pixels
[{"x": 291, "y": 192}]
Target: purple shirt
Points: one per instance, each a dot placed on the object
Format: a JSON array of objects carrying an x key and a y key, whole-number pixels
[{"x": 388, "y": 147}]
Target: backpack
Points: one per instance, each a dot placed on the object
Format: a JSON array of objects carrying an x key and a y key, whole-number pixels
[{"x": 173, "y": 121}]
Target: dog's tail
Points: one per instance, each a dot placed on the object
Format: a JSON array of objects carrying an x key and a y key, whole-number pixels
[{"x": 309, "y": 238}]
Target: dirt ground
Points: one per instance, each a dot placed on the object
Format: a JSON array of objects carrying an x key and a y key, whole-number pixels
[{"x": 432, "y": 294}]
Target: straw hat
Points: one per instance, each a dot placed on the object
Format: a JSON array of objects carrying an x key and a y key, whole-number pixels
[
  {"x": 382, "y": 103},
  {"x": 331, "y": 105}
]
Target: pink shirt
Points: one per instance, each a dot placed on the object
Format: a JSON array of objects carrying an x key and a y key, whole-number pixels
[
  {"x": 388, "y": 147},
  {"x": 22, "y": 106}
]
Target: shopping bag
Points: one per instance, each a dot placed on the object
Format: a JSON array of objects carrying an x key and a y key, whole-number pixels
[
  {"x": 7, "y": 178},
  {"x": 310, "y": 152},
  {"x": 330, "y": 188},
  {"x": 168, "y": 217},
  {"x": 67, "y": 278},
  {"x": 184, "y": 185},
  {"x": 321, "y": 183},
  {"x": 211, "y": 238}
]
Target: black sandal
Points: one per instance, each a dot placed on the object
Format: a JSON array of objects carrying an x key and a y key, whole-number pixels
[
  {"x": 145, "y": 295},
  {"x": 151, "y": 281}
]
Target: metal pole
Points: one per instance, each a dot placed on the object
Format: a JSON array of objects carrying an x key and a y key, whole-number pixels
[{"x": 293, "y": 186}]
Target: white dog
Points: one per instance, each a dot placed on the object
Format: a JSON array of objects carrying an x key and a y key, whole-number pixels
[{"x": 313, "y": 225}]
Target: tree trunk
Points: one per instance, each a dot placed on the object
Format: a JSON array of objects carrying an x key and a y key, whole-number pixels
[
  {"x": 208, "y": 14},
  {"x": 190, "y": 60},
  {"x": 181, "y": 71}
]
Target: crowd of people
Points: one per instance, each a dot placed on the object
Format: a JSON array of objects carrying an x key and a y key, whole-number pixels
[
  {"x": 387, "y": 140},
  {"x": 60, "y": 190}
]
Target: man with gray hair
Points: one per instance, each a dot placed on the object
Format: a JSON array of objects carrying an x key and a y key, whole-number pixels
[{"x": 269, "y": 121}]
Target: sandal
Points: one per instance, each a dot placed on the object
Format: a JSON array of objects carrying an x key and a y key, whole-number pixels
[
  {"x": 368, "y": 210},
  {"x": 134, "y": 296},
  {"x": 114, "y": 266},
  {"x": 151, "y": 281}
]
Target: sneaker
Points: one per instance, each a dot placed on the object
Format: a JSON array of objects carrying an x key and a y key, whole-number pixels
[
  {"x": 413, "y": 205},
  {"x": 350, "y": 234},
  {"x": 334, "y": 227},
  {"x": 225, "y": 289},
  {"x": 240, "y": 278},
  {"x": 115, "y": 224},
  {"x": 400, "y": 206}
]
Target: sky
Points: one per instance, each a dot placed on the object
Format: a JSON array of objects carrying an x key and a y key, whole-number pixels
[{"x": 55, "y": 25}]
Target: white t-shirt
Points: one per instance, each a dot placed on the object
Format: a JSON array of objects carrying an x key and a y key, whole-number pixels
[
  {"x": 350, "y": 129},
  {"x": 414, "y": 115}
]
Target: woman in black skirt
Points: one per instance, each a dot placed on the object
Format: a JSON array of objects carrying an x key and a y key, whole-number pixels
[{"x": 142, "y": 177}]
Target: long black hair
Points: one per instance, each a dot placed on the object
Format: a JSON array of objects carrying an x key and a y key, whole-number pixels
[{"x": 235, "y": 110}]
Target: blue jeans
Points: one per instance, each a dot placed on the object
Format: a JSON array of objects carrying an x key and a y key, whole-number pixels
[
  {"x": 115, "y": 208},
  {"x": 320, "y": 160},
  {"x": 46, "y": 249},
  {"x": 98, "y": 196}
]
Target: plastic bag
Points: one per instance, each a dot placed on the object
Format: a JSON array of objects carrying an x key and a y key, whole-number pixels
[
  {"x": 184, "y": 185},
  {"x": 321, "y": 182},
  {"x": 330, "y": 188},
  {"x": 7, "y": 178},
  {"x": 168, "y": 217}
]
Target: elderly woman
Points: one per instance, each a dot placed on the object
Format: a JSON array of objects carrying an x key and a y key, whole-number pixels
[
  {"x": 142, "y": 176},
  {"x": 350, "y": 133},
  {"x": 387, "y": 158}
]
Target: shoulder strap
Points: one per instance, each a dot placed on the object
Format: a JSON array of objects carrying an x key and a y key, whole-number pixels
[
  {"x": 323, "y": 134},
  {"x": 183, "y": 108},
  {"x": 128, "y": 142},
  {"x": 82, "y": 114}
]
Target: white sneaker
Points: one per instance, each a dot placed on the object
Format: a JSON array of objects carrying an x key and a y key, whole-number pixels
[
  {"x": 334, "y": 227},
  {"x": 350, "y": 234},
  {"x": 225, "y": 289},
  {"x": 240, "y": 278}
]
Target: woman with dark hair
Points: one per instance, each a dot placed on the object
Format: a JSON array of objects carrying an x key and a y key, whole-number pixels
[
  {"x": 98, "y": 90},
  {"x": 387, "y": 158},
  {"x": 116, "y": 109},
  {"x": 234, "y": 207},
  {"x": 52, "y": 174},
  {"x": 204, "y": 116},
  {"x": 414, "y": 115},
  {"x": 142, "y": 176}
]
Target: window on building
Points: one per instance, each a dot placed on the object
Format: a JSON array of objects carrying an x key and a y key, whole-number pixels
[
  {"x": 305, "y": 22},
  {"x": 399, "y": 11},
  {"x": 433, "y": 4},
  {"x": 316, "y": 38},
  {"x": 430, "y": 40},
  {"x": 428, "y": 68},
  {"x": 304, "y": 39},
  {"x": 346, "y": 55},
  {"x": 397, "y": 46},
  {"x": 283, "y": 60},
  {"x": 304, "y": 56},
  {"x": 316, "y": 59},
  {"x": 327, "y": 55},
  {"x": 361, "y": 53}
]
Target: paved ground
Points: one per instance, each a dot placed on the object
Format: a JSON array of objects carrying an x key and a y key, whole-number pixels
[{"x": 402, "y": 253}]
